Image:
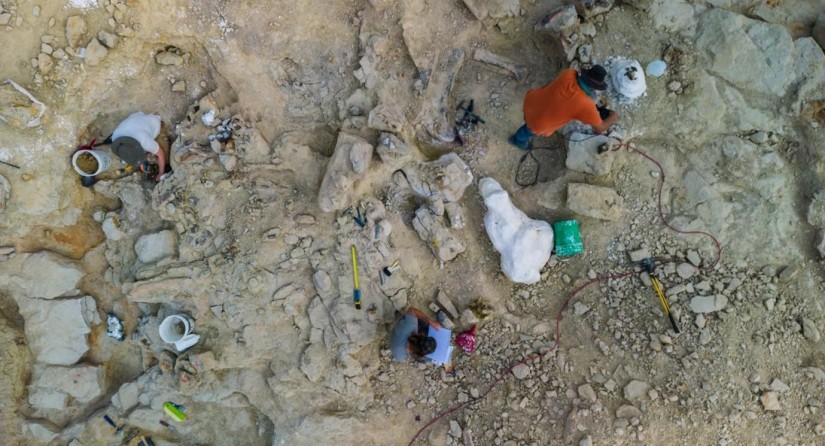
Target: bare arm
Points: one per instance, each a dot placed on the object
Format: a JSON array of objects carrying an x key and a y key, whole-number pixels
[
  {"x": 161, "y": 163},
  {"x": 612, "y": 118},
  {"x": 417, "y": 313}
]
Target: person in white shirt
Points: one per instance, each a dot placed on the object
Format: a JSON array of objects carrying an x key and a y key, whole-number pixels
[{"x": 139, "y": 134}]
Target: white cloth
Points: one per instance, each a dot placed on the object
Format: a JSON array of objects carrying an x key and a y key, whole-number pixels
[{"x": 142, "y": 127}]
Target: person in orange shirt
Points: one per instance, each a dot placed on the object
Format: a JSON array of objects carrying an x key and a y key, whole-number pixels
[{"x": 568, "y": 97}]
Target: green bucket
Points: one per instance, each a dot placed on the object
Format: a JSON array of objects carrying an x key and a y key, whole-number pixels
[{"x": 568, "y": 238}]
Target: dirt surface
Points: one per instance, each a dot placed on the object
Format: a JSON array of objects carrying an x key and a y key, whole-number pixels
[{"x": 282, "y": 117}]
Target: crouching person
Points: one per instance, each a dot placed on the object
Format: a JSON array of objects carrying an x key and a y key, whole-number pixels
[{"x": 410, "y": 336}]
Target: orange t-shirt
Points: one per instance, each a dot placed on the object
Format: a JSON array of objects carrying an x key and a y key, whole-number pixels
[{"x": 549, "y": 108}]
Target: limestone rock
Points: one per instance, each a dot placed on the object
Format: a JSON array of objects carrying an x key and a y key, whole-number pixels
[
  {"x": 525, "y": 244},
  {"x": 708, "y": 304},
  {"x": 391, "y": 149},
  {"x": 770, "y": 401},
  {"x": 816, "y": 210},
  {"x": 586, "y": 392},
  {"x": 126, "y": 397},
  {"x": 809, "y": 330},
  {"x": 594, "y": 201},
  {"x": 583, "y": 154},
  {"x": 45, "y": 63},
  {"x": 168, "y": 58},
  {"x": 75, "y": 29},
  {"x": 562, "y": 21},
  {"x": 95, "y": 52},
  {"x": 729, "y": 41},
  {"x": 521, "y": 371},
  {"x": 5, "y": 18},
  {"x": 444, "y": 243},
  {"x": 39, "y": 433},
  {"x": 386, "y": 118},
  {"x": 628, "y": 411},
  {"x": 108, "y": 39},
  {"x": 151, "y": 248},
  {"x": 351, "y": 153},
  {"x": 315, "y": 363},
  {"x": 635, "y": 390},
  {"x": 493, "y": 9},
  {"x": 56, "y": 329},
  {"x": 42, "y": 275},
  {"x": 448, "y": 177},
  {"x": 84, "y": 384}
]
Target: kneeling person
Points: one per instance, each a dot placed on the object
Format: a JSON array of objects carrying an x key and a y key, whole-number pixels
[
  {"x": 410, "y": 336},
  {"x": 138, "y": 135}
]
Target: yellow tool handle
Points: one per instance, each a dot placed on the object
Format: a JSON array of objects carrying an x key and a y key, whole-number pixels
[{"x": 354, "y": 267}]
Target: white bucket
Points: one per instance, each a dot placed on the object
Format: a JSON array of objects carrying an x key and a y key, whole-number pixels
[
  {"x": 177, "y": 329},
  {"x": 104, "y": 160}
]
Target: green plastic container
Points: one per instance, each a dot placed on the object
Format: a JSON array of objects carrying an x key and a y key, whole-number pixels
[{"x": 568, "y": 238}]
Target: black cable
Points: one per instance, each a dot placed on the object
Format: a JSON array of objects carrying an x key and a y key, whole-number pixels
[{"x": 529, "y": 153}]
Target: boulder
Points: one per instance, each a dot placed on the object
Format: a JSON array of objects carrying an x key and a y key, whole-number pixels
[
  {"x": 83, "y": 383},
  {"x": 42, "y": 275},
  {"x": 151, "y": 248},
  {"x": 562, "y": 21},
  {"x": 56, "y": 329},
  {"x": 349, "y": 162},
  {"x": 447, "y": 177},
  {"x": 95, "y": 52},
  {"x": 524, "y": 244},
  {"x": 594, "y": 201},
  {"x": 708, "y": 304},
  {"x": 750, "y": 54},
  {"x": 75, "y": 29},
  {"x": 583, "y": 154}
]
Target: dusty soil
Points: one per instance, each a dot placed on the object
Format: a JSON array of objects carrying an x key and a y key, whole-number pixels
[{"x": 252, "y": 241}]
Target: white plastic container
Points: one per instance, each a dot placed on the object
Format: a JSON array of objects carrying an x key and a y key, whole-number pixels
[
  {"x": 177, "y": 329},
  {"x": 104, "y": 160}
]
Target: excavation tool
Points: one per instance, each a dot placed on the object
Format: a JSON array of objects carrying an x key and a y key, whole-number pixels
[
  {"x": 360, "y": 220},
  {"x": 174, "y": 411},
  {"x": 649, "y": 265},
  {"x": 356, "y": 292},
  {"x": 392, "y": 268},
  {"x": 467, "y": 121},
  {"x": 112, "y": 423}
]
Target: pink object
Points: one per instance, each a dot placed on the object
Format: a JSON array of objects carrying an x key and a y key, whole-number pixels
[{"x": 467, "y": 340}]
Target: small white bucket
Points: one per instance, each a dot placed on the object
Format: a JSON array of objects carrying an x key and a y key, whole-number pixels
[
  {"x": 104, "y": 160},
  {"x": 177, "y": 329}
]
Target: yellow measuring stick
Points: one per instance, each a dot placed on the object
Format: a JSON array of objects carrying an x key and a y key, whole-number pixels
[
  {"x": 356, "y": 293},
  {"x": 658, "y": 288}
]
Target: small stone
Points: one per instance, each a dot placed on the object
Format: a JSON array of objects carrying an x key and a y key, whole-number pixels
[
  {"x": 635, "y": 390},
  {"x": 108, "y": 39},
  {"x": 700, "y": 321},
  {"x": 628, "y": 411},
  {"x": 521, "y": 371},
  {"x": 5, "y": 18},
  {"x": 36, "y": 11},
  {"x": 586, "y": 391},
  {"x": 179, "y": 86},
  {"x": 95, "y": 52},
  {"x": 639, "y": 255},
  {"x": 168, "y": 58},
  {"x": 46, "y": 48},
  {"x": 704, "y": 336},
  {"x": 444, "y": 300},
  {"x": 455, "y": 429},
  {"x": 809, "y": 330},
  {"x": 468, "y": 317},
  {"x": 44, "y": 63},
  {"x": 580, "y": 308},
  {"x": 693, "y": 257},
  {"x": 674, "y": 86},
  {"x": 685, "y": 270},
  {"x": 322, "y": 281},
  {"x": 75, "y": 29},
  {"x": 759, "y": 137},
  {"x": 708, "y": 304},
  {"x": 770, "y": 401},
  {"x": 779, "y": 386}
]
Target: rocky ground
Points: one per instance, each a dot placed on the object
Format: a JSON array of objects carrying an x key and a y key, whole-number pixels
[{"x": 283, "y": 116}]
